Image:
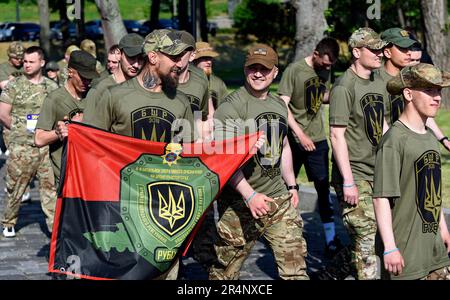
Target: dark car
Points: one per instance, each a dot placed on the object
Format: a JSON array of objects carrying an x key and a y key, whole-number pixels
[
  {"x": 93, "y": 30},
  {"x": 6, "y": 31},
  {"x": 146, "y": 28},
  {"x": 26, "y": 32},
  {"x": 132, "y": 26},
  {"x": 56, "y": 30}
]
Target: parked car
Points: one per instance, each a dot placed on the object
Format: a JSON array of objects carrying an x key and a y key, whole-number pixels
[
  {"x": 56, "y": 30},
  {"x": 146, "y": 28},
  {"x": 6, "y": 31},
  {"x": 93, "y": 30},
  {"x": 25, "y": 32},
  {"x": 132, "y": 26}
]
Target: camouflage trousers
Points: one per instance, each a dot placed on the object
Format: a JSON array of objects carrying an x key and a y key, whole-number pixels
[
  {"x": 25, "y": 162},
  {"x": 440, "y": 274},
  {"x": 360, "y": 223},
  {"x": 238, "y": 232}
]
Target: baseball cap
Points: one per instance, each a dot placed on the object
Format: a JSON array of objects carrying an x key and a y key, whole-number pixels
[
  {"x": 89, "y": 46},
  {"x": 203, "y": 49},
  {"x": 52, "y": 65},
  {"x": 84, "y": 63},
  {"x": 398, "y": 37},
  {"x": 366, "y": 37},
  {"x": 131, "y": 44},
  {"x": 165, "y": 41},
  {"x": 188, "y": 39},
  {"x": 419, "y": 76},
  {"x": 15, "y": 50},
  {"x": 261, "y": 54}
]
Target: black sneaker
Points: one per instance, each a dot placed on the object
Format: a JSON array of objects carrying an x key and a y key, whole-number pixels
[{"x": 333, "y": 247}]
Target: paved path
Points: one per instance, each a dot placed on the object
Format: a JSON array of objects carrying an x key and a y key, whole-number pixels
[{"x": 24, "y": 257}]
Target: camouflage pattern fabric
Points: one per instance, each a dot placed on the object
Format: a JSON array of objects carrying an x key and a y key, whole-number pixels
[
  {"x": 25, "y": 162},
  {"x": 366, "y": 37},
  {"x": 238, "y": 232},
  {"x": 441, "y": 274},
  {"x": 164, "y": 40},
  {"x": 361, "y": 226}
]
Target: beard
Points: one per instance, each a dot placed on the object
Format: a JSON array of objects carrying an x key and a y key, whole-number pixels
[
  {"x": 207, "y": 71},
  {"x": 169, "y": 81}
]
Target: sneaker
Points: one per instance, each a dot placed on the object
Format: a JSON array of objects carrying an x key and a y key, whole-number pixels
[
  {"x": 9, "y": 232},
  {"x": 26, "y": 197},
  {"x": 7, "y": 152},
  {"x": 333, "y": 247}
]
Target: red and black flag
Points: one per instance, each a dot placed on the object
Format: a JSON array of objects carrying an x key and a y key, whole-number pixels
[{"x": 127, "y": 206}]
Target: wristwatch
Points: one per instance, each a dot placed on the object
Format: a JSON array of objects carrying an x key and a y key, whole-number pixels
[
  {"x": 293, "y": 187},
  {"x": 443, "y": 139}
]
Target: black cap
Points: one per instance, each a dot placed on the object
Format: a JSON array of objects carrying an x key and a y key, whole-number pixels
[
  {"x": 52, "y": 65},
  {"x": 83, "y": 63},
  {"x": 131, "y": 44}
]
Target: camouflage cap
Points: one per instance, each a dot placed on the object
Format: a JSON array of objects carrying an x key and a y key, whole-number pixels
[
  {"x": 398, "y": 37},
  {"x": 418, "y": 77},
  {"x": 131, "y": 44},
  {"x": 165, "y": 41},
  {"x": 261, "y": 54},
  {"x": 188, "y": 39},
  {"x": 15, "y": 50},
  {"x": 204, "y": 49},
  {"x": 366, "y": 37}
]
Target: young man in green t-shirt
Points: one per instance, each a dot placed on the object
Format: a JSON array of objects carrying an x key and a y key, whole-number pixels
[
  {"x": 415, "y": 241},
  {"x": 304, "y": 88},
  {"x": 263, "y": 194},
  {"x": 357, "y": 102}
]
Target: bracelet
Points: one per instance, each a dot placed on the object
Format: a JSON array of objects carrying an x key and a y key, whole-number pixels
[
  {"x": 250, "y": 198},
  {"x": 443, "y": 139},
  {"x": 390, "y": 251},
  {"x": 293, "y": 187},
  {"x": 348, "y": 185}
]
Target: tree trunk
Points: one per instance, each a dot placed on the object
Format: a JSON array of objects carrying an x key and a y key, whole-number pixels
[
  {"x": 401, "y": 16},
  {"x": 44, "y": 35},
  {"x": 183, "y": 15},
  {"x": 154, "y": 14},
  {"x": 311, "y": 24},
  {"x": 203, "y": 18},
  {"x": 434, "y": 13},
  {"x": 79, "y": 21},
  {"x": 112, "y": 24}
]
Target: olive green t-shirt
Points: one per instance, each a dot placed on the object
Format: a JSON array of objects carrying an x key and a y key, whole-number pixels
[
  {"x": 94, "y": 94},
  {"x": 217, "y": 89},
  {"x": 408, "y": 171},
  {"x": 306, "y": 89},
  {"x": 240, "y": 114},
  {"x": 56, "y": 106},
  {"x": 394, "y": 107},
  {"x": 6, "y": 70},
  {"x": 358, "y": 104},
  {"x": 196, "y": 88},
  {"x": 26, "y": 99},
  {"x": 130, "y": 110}
]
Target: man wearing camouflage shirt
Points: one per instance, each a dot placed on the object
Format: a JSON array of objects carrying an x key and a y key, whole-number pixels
[
  {"x": 13, "y": 67},
  {"x": 263, "y": 195},
  {"x": 20, "y": 105},
  {"x": 357, "y": 102},
  {"x": 67, "y": 102}
]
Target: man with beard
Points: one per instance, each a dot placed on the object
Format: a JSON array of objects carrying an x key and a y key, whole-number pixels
[
  {"x": 304, "y": 88},
  {"x": 20, "y": 104},
  {"x": 130, "y": 64},
  {"x": 67, "y": 102},
  {"x": 203, "y": 60}
]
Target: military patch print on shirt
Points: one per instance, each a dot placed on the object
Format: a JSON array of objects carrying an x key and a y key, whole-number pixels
[
  {"x": 195, "y": 103},
  {"x": 152, "y": 123},
  {"x": 373, "y": 110},
  {"x": 314, "y": 92},
  {"x": 428, "y": 190},
  {"x": 74, "y": 112},
  {"x": 397, "y": 105},
  {"x": 269, "y": 156}
]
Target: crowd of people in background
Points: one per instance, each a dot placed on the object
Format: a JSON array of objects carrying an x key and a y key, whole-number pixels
[{"x": 385, "y": 158}]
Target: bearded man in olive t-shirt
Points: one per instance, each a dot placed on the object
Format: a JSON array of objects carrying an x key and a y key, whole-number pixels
[
  {"x": 415, "y": 241},
  {"x": 262, "y": 197},
  {"x": 357, "y": 102}
]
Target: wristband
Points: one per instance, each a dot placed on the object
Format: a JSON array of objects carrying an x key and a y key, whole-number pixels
[
  {"x": 293, "y": 187},
  {"x": 348, "y": 185},
  {"x": 250, "y": 198},
  {"x": 443, "y": 139},
  {"x": 390, "y": 251}
]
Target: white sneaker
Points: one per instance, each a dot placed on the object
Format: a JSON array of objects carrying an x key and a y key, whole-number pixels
[
  {"x": 7, "y": 152},
  {"x": 9, "y": 232},
  {"x": 26, "y": 197}
]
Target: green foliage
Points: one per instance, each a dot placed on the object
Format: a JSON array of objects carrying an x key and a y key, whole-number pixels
[{"x": 270, "y": 21}]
